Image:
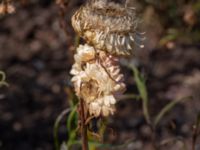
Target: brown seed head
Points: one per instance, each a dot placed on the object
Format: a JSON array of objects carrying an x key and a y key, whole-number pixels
[{"x": 107, "y": 26}]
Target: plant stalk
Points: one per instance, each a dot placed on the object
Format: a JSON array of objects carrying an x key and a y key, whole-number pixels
[{"x": 83, "y": 126}]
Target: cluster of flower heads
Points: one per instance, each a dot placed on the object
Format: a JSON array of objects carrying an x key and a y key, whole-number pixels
[
  {"x": 97, "y": 80},
  {"x": 109, "y": 30}
]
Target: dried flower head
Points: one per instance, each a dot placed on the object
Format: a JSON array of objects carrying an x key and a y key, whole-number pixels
[
  {"x": 6, "y": 8},
  {"x": 97, "y": 80},
  {"x": 107, "y": 26}
]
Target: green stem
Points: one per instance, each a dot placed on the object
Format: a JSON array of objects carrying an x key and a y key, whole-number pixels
[{"x": 83, "y": 126}]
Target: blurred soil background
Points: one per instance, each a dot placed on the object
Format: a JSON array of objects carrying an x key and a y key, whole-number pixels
[{"x": 36, "y": 55}]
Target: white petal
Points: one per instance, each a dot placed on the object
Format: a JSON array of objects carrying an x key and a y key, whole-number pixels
[
  {"x": 132, "y": 38},
  {"x": 107, "y": 101},
  {"x": 112, "y": 99},
  {"x": 105, "y": 111},
  {"x": 95, "y": 109}
]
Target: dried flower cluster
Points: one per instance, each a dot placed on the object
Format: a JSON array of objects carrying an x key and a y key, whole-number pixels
[
  {"x": 108, "y": 26},
  {"x": 6, "y": 8},
  {"x": 110, "y": 32},
  {"x": 97, "y": 80}
]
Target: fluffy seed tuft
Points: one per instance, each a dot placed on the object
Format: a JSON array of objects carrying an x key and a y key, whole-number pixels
[{"x": 108, "y": 26}]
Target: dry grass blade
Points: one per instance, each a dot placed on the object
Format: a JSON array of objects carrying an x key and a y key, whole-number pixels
[
  {"x": 167, "y": 108},
  {"x": 196, "y": 132},
  {"x": 172, "y": 141},
  {"x": 140, "y": 82},
  {"x": 2, "y": 79},
  {"x": 56, "y": 126}
]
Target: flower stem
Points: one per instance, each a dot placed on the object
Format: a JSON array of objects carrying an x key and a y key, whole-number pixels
[{"x": 83, "y": 126}]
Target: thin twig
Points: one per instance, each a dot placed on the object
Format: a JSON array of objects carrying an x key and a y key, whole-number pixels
[{"x": 196, "y": 132}]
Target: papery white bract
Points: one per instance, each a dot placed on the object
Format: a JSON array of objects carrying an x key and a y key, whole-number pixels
[{"x": 97, "y": 80}]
